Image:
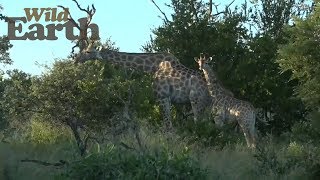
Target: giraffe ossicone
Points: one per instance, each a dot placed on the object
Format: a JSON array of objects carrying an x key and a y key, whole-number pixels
[{"x": 227, "y": 108}]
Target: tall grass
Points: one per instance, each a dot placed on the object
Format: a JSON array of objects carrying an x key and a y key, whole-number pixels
[{"x": 155, "y": 154}]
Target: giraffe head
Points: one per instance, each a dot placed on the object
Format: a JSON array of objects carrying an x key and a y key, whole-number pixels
[
  {"x": 92, "y": 52},
  {"x": 203, "y": 61}
]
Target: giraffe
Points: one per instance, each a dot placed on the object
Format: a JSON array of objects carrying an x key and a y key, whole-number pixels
[
  {"x": 172, "y": 81},
  {"x": 227, "y": 108}
]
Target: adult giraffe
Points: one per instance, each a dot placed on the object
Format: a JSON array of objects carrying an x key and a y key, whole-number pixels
[{"x": 172, "y": 81}]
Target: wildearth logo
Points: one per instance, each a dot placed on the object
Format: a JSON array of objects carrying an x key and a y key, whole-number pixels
[{"x": 38, "y": 31}]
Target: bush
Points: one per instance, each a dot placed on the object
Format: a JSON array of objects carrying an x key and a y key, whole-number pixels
[
  {"x": 117, "y": 163},
  {"x": 43, "y": 132},
  {"x": 290, "y": 161},
  {"x": 208, "y": 134},
  {"x": 305, "y": 131}
]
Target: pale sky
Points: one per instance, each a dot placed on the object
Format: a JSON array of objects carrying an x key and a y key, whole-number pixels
[{"x": 127, "y": 22}]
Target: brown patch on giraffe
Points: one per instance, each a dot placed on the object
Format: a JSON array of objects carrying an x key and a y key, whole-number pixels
[
  {"x": 143, "y": 57},
  {"x": 128, "y": 64},
  {"x": 139, "y": 60},
  {"x": 134, "y": 65},
  {"x": 111, "y": 56},
  {"x": 159, "y": 56},
  {"x": 147, "y": 62},
  {"x": 168, "y": 59},
  {"x": 152, "y": 59}
]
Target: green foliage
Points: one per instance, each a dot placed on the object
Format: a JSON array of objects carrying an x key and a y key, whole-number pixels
[
  {"x": 303, "y": 132},
  {"x": 4, "y": 50},
  {"x": 115, "y": 163},
  {"x": 301, "y": 56},
  {"x": 16, "y": 100},
  {"x": 91, "y": 93},
  {"x": 245, "y": 59},
  {"x": 4, "y": 45},
  {"x": 206, "y": 133},
  {"x": 46, "y": 133},
  {"x": 297, "y": 160}
]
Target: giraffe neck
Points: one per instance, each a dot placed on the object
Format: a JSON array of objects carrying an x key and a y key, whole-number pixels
[
  {"x": 214, "y": 87},
  {"x": 147, "y": 62}
]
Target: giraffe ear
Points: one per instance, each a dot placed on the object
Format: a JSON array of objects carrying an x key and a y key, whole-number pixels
[
  {"x": 196, "y": 59},
  {"x": 209, "y": 59}
]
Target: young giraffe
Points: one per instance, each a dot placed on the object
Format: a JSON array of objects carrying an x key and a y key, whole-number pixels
[
  {"x": 227, "y": 108},
  {"x": 173, "y": 82}
]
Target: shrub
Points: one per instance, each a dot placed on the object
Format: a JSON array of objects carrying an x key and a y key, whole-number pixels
[
  {"x": 208, "y": 134},
  {"x": 297, "y": 160},
  {"x": 44, "y": 132},
  {"x": 117, "y": 163},
  {"x": 305, "y": 131}
]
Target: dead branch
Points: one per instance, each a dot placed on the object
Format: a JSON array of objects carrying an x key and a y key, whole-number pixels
[
  {"x": 70, "y": 17},
  {"x": 44, "y": 163},
  {"x": 82, "y": 42},
  {"x": 227, "y": 7},
  {"x": 7, "y": 19},
  {"x": 126, "y": 146},
  {"x": 164, "y": 15},
  {"x": 210, "y": 7}
]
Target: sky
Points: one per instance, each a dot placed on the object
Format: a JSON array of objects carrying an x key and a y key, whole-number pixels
[{"x": 127, "y": 22}]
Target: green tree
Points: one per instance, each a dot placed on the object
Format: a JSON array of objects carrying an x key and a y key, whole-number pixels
[
  {"x": 4, "y": 44},
  {"x": 245, "y": 59},
  {"x": 300, "y": 56},
  {"x": 16, "y": 100}
]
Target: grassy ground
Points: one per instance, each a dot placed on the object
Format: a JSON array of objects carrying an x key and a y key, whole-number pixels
[{"x": 272, "y": 160}]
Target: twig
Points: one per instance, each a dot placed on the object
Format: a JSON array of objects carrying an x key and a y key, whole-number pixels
[
  {"x": 126, "y": 146},
  {"x": 44, "y": 163},
  {"x": 6, "y": 18},
  {"x": 227, "y": 7},
  {"x": 70, "y": 17},
  {"x": 210, "y": 7},
  {"x": 82, "y": 43},
  {"x": 165, "y": 16}
]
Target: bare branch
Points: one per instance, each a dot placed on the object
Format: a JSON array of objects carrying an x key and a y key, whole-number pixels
[
  {"x": 6, "y": 19},
  {"x": 87, "y": 11},
  {"x": 227, "y": 7},
  {"x": 60, "y": 163},
  {"x": 165, "y": 16},
  {"x": 126, "y": 146},
  {"x": 83, "y": 40},
  {"x": 210, "y": 7},
  {"x": 70, "y": 17}
]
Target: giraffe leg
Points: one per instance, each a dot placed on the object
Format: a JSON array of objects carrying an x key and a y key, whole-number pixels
[
  {"x": 250, "y": 136},
  {"x": 252, "y": 130},
  {"x": 219, "y": 117},
  {"x": 194, "y": 100},
  {"x": 166, "y": 112},
  {"x": 247, "y": 136},
  {"x": 194, "y": 110},
  {"x": 253, "y": 138},
  {"x": 246, "y": 132}
]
